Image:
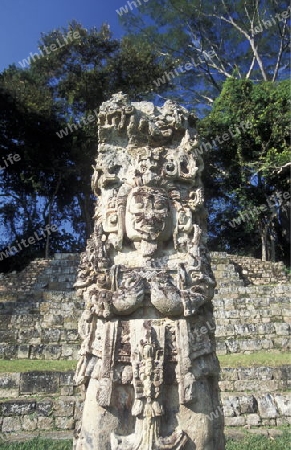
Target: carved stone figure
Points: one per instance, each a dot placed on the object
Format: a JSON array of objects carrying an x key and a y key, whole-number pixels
[{"x": 147, "y": 361}]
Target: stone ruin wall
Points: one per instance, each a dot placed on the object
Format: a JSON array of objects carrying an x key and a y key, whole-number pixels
[
  {"x": 39, "y": 309},
  {"x": 48, "y": 403},
  {"x": 248, "y": 319}
]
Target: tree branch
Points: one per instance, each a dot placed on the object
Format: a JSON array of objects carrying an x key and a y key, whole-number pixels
[
  {"x": 280, "y": 53},
  {"x": 248, "y": 37}
]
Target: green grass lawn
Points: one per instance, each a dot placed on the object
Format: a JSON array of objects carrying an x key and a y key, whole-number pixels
[
  {"x": 249, "y": 443},
  {"x": 255, "y": 359},
  {"x": 28, "y": 365},
  {"x": 38, "y": 444},
  {"x": 260, "y": 443},
  {"x": 235, "y": 360}
]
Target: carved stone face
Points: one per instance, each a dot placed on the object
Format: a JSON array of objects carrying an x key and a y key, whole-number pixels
[{"x": 148, "y": 214}]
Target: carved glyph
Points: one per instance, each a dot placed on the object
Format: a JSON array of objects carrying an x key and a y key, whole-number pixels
[{"x": 147, "y": 360}]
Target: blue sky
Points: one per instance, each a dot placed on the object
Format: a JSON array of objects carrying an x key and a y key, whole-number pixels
[{"x": 22, "y": 21}]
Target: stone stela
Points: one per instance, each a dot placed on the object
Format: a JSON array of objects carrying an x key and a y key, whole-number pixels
[{"x": 150, "y": 375}]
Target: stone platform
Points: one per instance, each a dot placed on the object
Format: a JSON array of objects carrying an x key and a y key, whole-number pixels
[
  {"x": 39, "y": 402},
  {"x": 39, "y": 312},
  {"x": 39, "y": 309}
]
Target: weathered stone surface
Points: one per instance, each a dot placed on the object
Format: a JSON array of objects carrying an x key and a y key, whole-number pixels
[
  {"x": 65, "y": 423},
  {"x": 64, "y": 407},
  {"x": 266, "y": 406},
  {"x": 267, "y": 308},
  {"x": 248, "y": 404},
  {"x": 283, "y": 404},
  {"x": 235, "y": 421},
  {"x": 148, "y": 353},
  {"x": 17, "y": 408},
  {"x": 32, "y": 382},
  {"x": 11, "y": 424},
  {"x": 9, "y": 385},
  {"x": 45, "y": 423},
  {"x": 29, "y": 423},
  {"x": 253, "y": 420},
  {"x": 44, "y": 408}
]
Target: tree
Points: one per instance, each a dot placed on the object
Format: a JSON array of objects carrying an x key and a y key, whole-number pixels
[
  {"x": 30, "y": 186},
  {"x": 247, "y": 165},
  {"x": 44, "y": 119},
  {"x": 218, "y": 40}
]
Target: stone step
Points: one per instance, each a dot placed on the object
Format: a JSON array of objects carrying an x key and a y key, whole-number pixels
[
  {"x": 47, "y": 402},
  {"x": 250, "y": 270},
  {"x": 47, "y": 351}
]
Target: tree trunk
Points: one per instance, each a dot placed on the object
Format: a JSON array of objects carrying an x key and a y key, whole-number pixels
[
  {"x": 264, "y": 245},
  {"x": 47, "y": 243},
  {"x": 272, "y": 248},
  {"x": 50, "y": 207},
  {"x": 85, "y": 205}
]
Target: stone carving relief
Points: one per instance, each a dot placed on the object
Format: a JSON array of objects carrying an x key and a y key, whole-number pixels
[{"x": 150, "y": 375}]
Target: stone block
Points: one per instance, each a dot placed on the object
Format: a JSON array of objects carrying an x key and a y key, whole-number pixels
[
  {"x": 233, "y": 346},
  {"x": 235, "y": 421},
  {"x": 27, "y": 336},
  {"x": 72, "y": 335},
  {"x": 52, "y": 351},
  {"x": 253, "y": 345},
  {"x": 253, "y": 420},
  {"x": 246, "y": 385},
  {"x": 11, "y": 425},
  {"x": 266, "y": 328},
  {"x": 5, "y": 321},
  {"x": 228, "y": 374},
  {"x": 29, "y": 423},
  {"x": 9, "y": 384},
  {"x": 8, "y": 336},
  {"x": 51, "y": 335},
  {"x": 66, "y": 379},
  {"x": 226, "y": 386},
  {"x": 283, "y": 421},
  {"x": 266, "y": 407},
  {"x": 23, "y": 351},
  {"x": 233, "y": 404},
  {"x": 45, "y": 423},
  {"x": 67, "y": 351},
  {"x": 227, "y": 408},
  {"x": 64, "y": 407},
  {"x": 282, "y": 329},
  {"x": 39, "y": 382},
  {"x": 53, "y": 320},
  {"x": 17, "y": 407},
  {"x": 283, "y": 403},
  {"x": 44, "y": 407},
  {"x": 36, "y": 351},
  {"x": 65, "y": 423},
  {"x": 269, "y": 422},
  {"x": 67, "y": 390},
  {"x": 248, "y": 404}
]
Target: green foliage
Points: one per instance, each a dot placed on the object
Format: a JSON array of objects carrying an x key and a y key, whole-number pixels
[
  {"x": 51, "y": 183},
  {"x": 190, "y": 30},
  {"x": 244, "y": 170}
]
